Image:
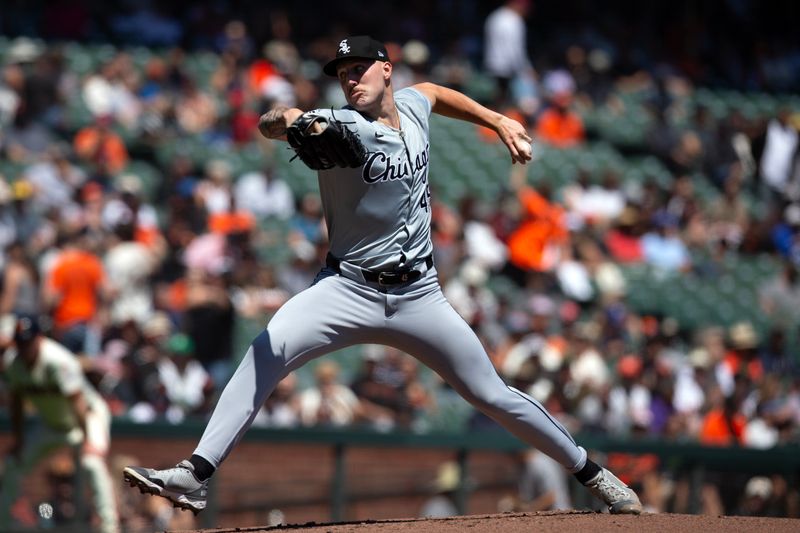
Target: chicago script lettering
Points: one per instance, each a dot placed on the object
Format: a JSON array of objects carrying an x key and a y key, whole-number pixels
[{"x": 380, "y": 167}]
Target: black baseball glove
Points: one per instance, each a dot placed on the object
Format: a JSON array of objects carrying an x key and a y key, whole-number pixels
[{"x": 323, "y": 143}]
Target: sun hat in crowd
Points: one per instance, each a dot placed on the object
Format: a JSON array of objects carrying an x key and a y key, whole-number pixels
[
  {"x": 158, "y": 325},
  {"x": 743, "y": 336}
]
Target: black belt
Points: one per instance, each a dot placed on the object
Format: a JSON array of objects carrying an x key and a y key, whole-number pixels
[{"x": 387, "y": 277}]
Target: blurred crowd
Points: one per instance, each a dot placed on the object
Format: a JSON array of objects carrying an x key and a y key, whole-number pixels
[{"x": 147, "y": 280}]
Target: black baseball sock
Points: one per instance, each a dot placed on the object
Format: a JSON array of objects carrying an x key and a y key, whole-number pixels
[
  {"x": 589, "y": 470},
  {"x": 202, "y": 468}
]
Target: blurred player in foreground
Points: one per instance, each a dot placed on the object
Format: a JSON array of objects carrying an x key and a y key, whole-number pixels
[{"x": 71, "y": 413}]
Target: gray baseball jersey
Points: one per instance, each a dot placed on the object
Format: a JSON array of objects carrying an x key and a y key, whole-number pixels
[
  {"x": 379, "y": 219},
  {"x": 380, "y": 216}
]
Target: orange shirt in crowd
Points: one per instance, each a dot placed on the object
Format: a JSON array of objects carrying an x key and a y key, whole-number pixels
[
  {"x": 536, "y": 243},
  {"x": 176, "y": 296},
  {"x": 259, "y": 72},
  {"x": 236, "y": 222},
  {"x": 717, "y": 431},
  {"x": 77, "y": 278},
  {"x": 561, "y": 129},
  {"x": 736, "y": 364},
  {"x": 93, "y": 145},
  {"x": 148, "y": 236}
]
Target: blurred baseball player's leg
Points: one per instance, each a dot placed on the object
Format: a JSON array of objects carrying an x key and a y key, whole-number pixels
[
  {"x": 93, "y": 461},
  {"x": 426, "y": 326},
  {"x": 40, "y": 443},
  {"x": 43, "y": 442},
  {"x": 102, "y": 491}
]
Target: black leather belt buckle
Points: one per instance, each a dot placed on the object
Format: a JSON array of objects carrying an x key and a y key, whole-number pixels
[{"x": 395, "y": 278}]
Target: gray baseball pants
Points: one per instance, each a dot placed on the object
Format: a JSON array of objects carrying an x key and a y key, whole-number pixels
[{"x": 337, "y": 312}]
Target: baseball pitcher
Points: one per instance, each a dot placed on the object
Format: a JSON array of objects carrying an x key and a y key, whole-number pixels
[{"x": 379, "y": 284}]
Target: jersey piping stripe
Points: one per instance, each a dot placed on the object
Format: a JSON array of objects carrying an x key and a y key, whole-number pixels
[
  {"x": 544, "y": 412},
  {"x": 539, "y": 407}
]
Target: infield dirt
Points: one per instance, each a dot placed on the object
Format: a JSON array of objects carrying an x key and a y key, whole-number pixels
[{"x": 547, "y": 522}]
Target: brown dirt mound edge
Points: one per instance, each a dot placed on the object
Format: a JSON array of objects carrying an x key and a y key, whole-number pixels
[{"x": 554, "y": 521}]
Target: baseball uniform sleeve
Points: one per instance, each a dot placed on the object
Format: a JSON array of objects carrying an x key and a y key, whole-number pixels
[
  {"x": 65, "y": 368},
  {"x": 415, "y": 105}
]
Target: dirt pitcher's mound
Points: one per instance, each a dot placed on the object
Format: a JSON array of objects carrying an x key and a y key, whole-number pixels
[{"x": 551, "y": 522}]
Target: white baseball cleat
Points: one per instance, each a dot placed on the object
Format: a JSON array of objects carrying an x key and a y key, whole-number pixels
[
  {"x": 179, "y": 485},
  {"x": 616, "y": 494}
]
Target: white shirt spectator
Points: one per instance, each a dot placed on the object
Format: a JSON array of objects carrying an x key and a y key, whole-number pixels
[
  {"x": 337, "y": 407},
  {"x": 505, "y": 51},
  {"x": 468, "y": 295},
  {"x": 104, "y": 97},
  {"x": 117, "y": 212},
  {"x": 9, "y": 103},
  {"x": 279, "y": 416},
  {"x": 688, "y": 396},
  {"x": 185, "y": 390},
  {"x": 725, "y": 379},
  {"x": 628, "y": 407},
  {"x": 483, "y": 245},
  {"x": 53, "y": 188},
  {"x": 215, "y": 190},
  {"x": 529, "y": 346},
  {"x": 216, "y": 198},
  {"x": 8, "y": 226},
  {"x": 590, "y": 369},
  {"x": 609, "y": 279},
  {"x": 558, "y": 81},
  {"x": 128, "y": 266},
  {"x": 276, "y": 88},
  {"x": 759, "y": 434},
  {"x": 574, "y": 280},
  {"x": 779, "y": 149},
  {"x": 264, "y": 197},
  {"x": 599, "y": 204}
]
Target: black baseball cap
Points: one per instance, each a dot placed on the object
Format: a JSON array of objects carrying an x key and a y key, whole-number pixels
[
  {"x": 27, "y": 329},
  {"x": 358, "y": 46}
]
